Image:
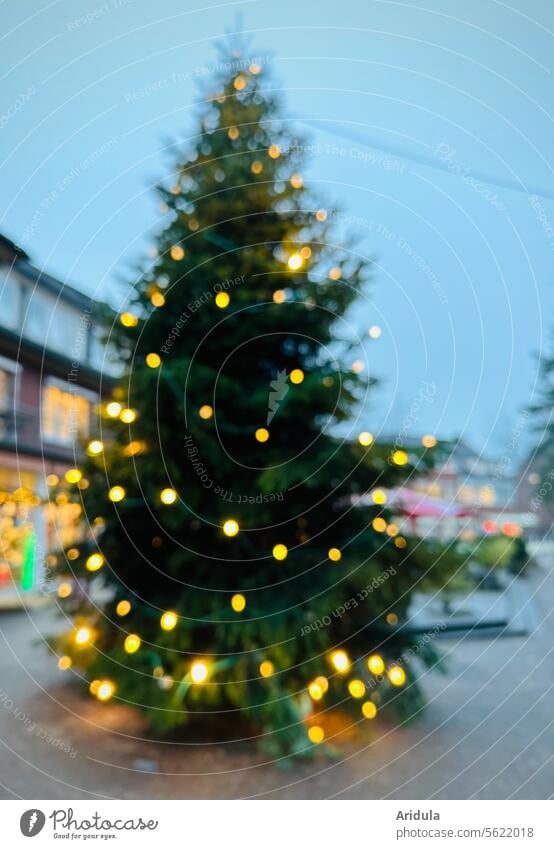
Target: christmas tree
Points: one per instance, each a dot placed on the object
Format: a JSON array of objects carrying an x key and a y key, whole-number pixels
[{"x": 240, "y": 577}]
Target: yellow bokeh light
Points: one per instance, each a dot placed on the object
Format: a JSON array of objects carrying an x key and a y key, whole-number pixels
[
  {"x": 358, "y": 366},
  {"x": 392, "y": 529},
  {"x": 334, "y": 554},
  {"x": 305, "y": 252},
  {"x": 134, "y": 447},
  {"x": 113, "y": 409},
  {"x": 73, "y": 554},
  {"x": 127, "y": 415},
  {"x": 316, "y": 734},
  {"x": 315, "y": 691},
  {"x": 321, "y": 215},
  {"x": 374, "y": 331},
  {"x": 262, "y": 434},
  {"x": 222, "y": 300},
  {"x": 105, "y": 691},
  {"x": 267, "y": 669},
  {"x": 233, "y": 133},
  {"x": 95, "y": 562},
  {"x": 127, "y": 319},
  {"x": 335, "y": 273},
  {"x": 294, "y": 262},
  {"x": 168, "y": 620},
  {"x": 239, "y": 82},
  {"x": 256, "y": 167},
  {"x": 157, "y": 299},
  {"x": 379, "y": 525},
  {"x": 123, "y": 607},
  {"x": 392, "y": 618},
  {"x": 296, "y": 181},
  {"x": 93, "y": 686},
  {"x": 116, "y": 493},
  {"x": 399, "y": 458},
  {"x": 153, "y": 360},
  {"x": 378, "y": 496},
  {"x": 238, "y": 603},
  {"x": 396, "y": 676},
  {"x": 279, "y": 296},
  {"x": 428, "y": 441},
  {"x": 356, "y": 688},
  {"x": 168, "y": 496},
  {"x": 340, "y": 661},
  {"x": 95, "y": 447},
  {"x": 65, "y": 589},
  {"x": 132, "y": 643},
  {"x": 177, "y": 253},
  {"x": 274, "y": 151},
  {"x": 322, "y": 682},
  {"x": 296, "y": 376},
  {"x": 64, "y": 662},
  {"x": 199, "y": 672},
  {"x": 73, "y": 475},
  {"x": 52, "y": 480},
  {"x": 280, "y": 551},
  {"x": 365, "y": 438},
  {"x": 205, "y": 411},
  {"x": 376, "y": 664},
  {"x": 369, "y": 710},
  {"x": 83, "y": 636},
  {"x": 400, "y": 542},
  {"x": 254, "y": 68},
  {"x": 230, "y": 527}
]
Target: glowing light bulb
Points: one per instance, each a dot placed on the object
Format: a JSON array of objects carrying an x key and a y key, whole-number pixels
[
  {"x": 153, "y": 360},
  {"x": 335, "y": 273},
  {"x": 365, "y": 438},
  {"x": 64, "y": 662},
  {"x": 168, "y": 496},
  {"x": 73, "y": 475},
  {"x": 127, "y": 415},
  {"x": 73, "y": 554},
  {"x": 116, "y": 493},
  {"x": 322, "y": 682},
  {"x": 198, "y": 672},
  {"x": 233, "y": 133},
  {"x": 321, "y": 215},
  {"x": 239, "y": 82},
  {"x": 392, "y": 529},
  {"x": 222, "y": 300},
  {"x": 157, "y": 299},
  {"x": 358, "y": 366},
  {"x": 379, "y": 525},
  {"x": 356, "y": 688},
  {"x": 296, "y": 376},
  {"x": 95, "y": 447},
  {"x": 428, "y": 441},
  {"x": 83, "y": 636},
  {"x": 205, "y": 411},
  {"x": 274, "y": 151},
  {"x": 316, "y": 734},
  {"x": 123, "y": 607},
  {"x": 378, "y": 496},
  {"x": 294, "y": 262},
  {"x": 296, "y": 181},
  {"x": 279, "y": 296},
  {"x": 95, "y": 562},
  {"x": 340, "y": 661},
  {"x": 315, "y": 691},
  {"x": 399, "y": 458},
  {"x": 334, "y": 554},
  {"x": 256, "y": 167},
  {"x": 65, "y": 589},
  {"x": 400, "y": 542},
  {"x": 262, "y": 434},
  {"x": 376, "y": 664},
  {"x": 230, "y": 527},
  {"x": 105, "y": 691},
  {"x": 369, "y": 710},
  {"x": 238, "y": 603},
  {"x": 374, "y": 331},
  {"x": 266, "y": 669},
  {"x": 168, "y": 620},
  {"x": 52, "y": 480},
  {"x": 127, "y": 319},
  {"x": 254, "y": 68},
  {"x": 177, "y": 253},
  {"x": 280, "y": 551},
  {"x": 396, "y": 676},
  {"x": 392, "y": 618},
  {"x": 113, "y": 409},
  {"x": 132, "y": 643}
]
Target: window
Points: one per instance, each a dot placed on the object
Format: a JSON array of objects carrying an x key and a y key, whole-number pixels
[
  {"x": 65, "y": 414},
  {"x": 10, "y": 295},
  {"x": 8, "y": 389}
]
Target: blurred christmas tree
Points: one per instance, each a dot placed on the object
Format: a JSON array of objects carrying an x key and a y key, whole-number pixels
[{"x": 219, "y": 493}]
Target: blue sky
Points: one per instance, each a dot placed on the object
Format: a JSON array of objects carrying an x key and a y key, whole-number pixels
[{"x": 464, "y": 270}]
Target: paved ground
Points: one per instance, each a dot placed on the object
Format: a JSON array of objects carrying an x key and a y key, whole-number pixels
[{"x": 487, "y": 733}]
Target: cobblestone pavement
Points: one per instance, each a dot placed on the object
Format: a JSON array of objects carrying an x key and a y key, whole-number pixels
[{"x": 487, "y": 732}]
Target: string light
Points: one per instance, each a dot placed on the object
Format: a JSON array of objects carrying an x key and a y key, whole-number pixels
[
  {"x": 374, "y": 331},
  {"x": 127, "y": 415},
  {"x": 322, "y": 682},
  {"x": 256, "y": 167},
  {"x": 254, "y": 68},
  {"x": 64, "y": 662},
  {"x": 392, "y": 529},
  {"x": 177, "y": 253},
  {"x": 105, "y": 691},
  {"x": 356, "y": 688},
  {"x": 396, "y": 676},
  {"x": 296, "y": 376},
  {"x": 280, "y": 551},
  {"x": 127, "y": 319},
  {"x": 83, "y": 636},
  {"x": 428, "y": 441},
  {"x": 95, "y": 447},
  {"x": 378, "y": 496},
  {"x": 113, "y": 409},
  {"x": 233, "y": 133},
  {"x": 392, "y": 618},
  {"x": 73, "y": 475},
  {"x": 157, "y": 299},
  {"x": 369, "y": 710},
  {"x": 376, "y": 664},
  {"x": 95, "y": 562},
  {"x": 134, "y": 447},
  {"x": 168, "y": 620},
  {"x": 168, "y": 496},
  {"x": 239, "y": 82},
  {"x": 116, "y": 493},
  {"x": 365, "y": 438},
  {"x": 400, "y": 542},
  {"x": 340, "y": 661},
  {"x": 73, "y": 554},
  {"x": 399, "y": 458},
  {"x": 123, "y": 607},
  {"x": 305, "y": 252},
  {"x": 316, "y": 734},
  {"x": 321, "y": 215},
  {"x": 132, "y": 643},
  {"x": 93, "y": 686},
  {"x": 296, "y": 181},
  {"x": 335, "y": 273},
  {"x": 238, "y": 603},
  {"x": 205, "y": 411},
  {"x": 274, "y": 151},
  {"x": 279, "y": 296},
  {"x": 222, "y": 300},
  {"x": 153, "y": 360},
  {"x": 52, "y": 480},
  {"x": 267, "y": 669},
  {"x": 65, "y": 589},
  {"x": 315, "y": 691},
  {"x": 379, "y": 524},
  {"x": 230, "y": 527},
  {"x": 198, "y": 672},
  {"x": 294, "y": 262},
  {"x": 262, "y": 434},
  {"x": 357, "y": 366},
  {"x": 334, "y": 554}
]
